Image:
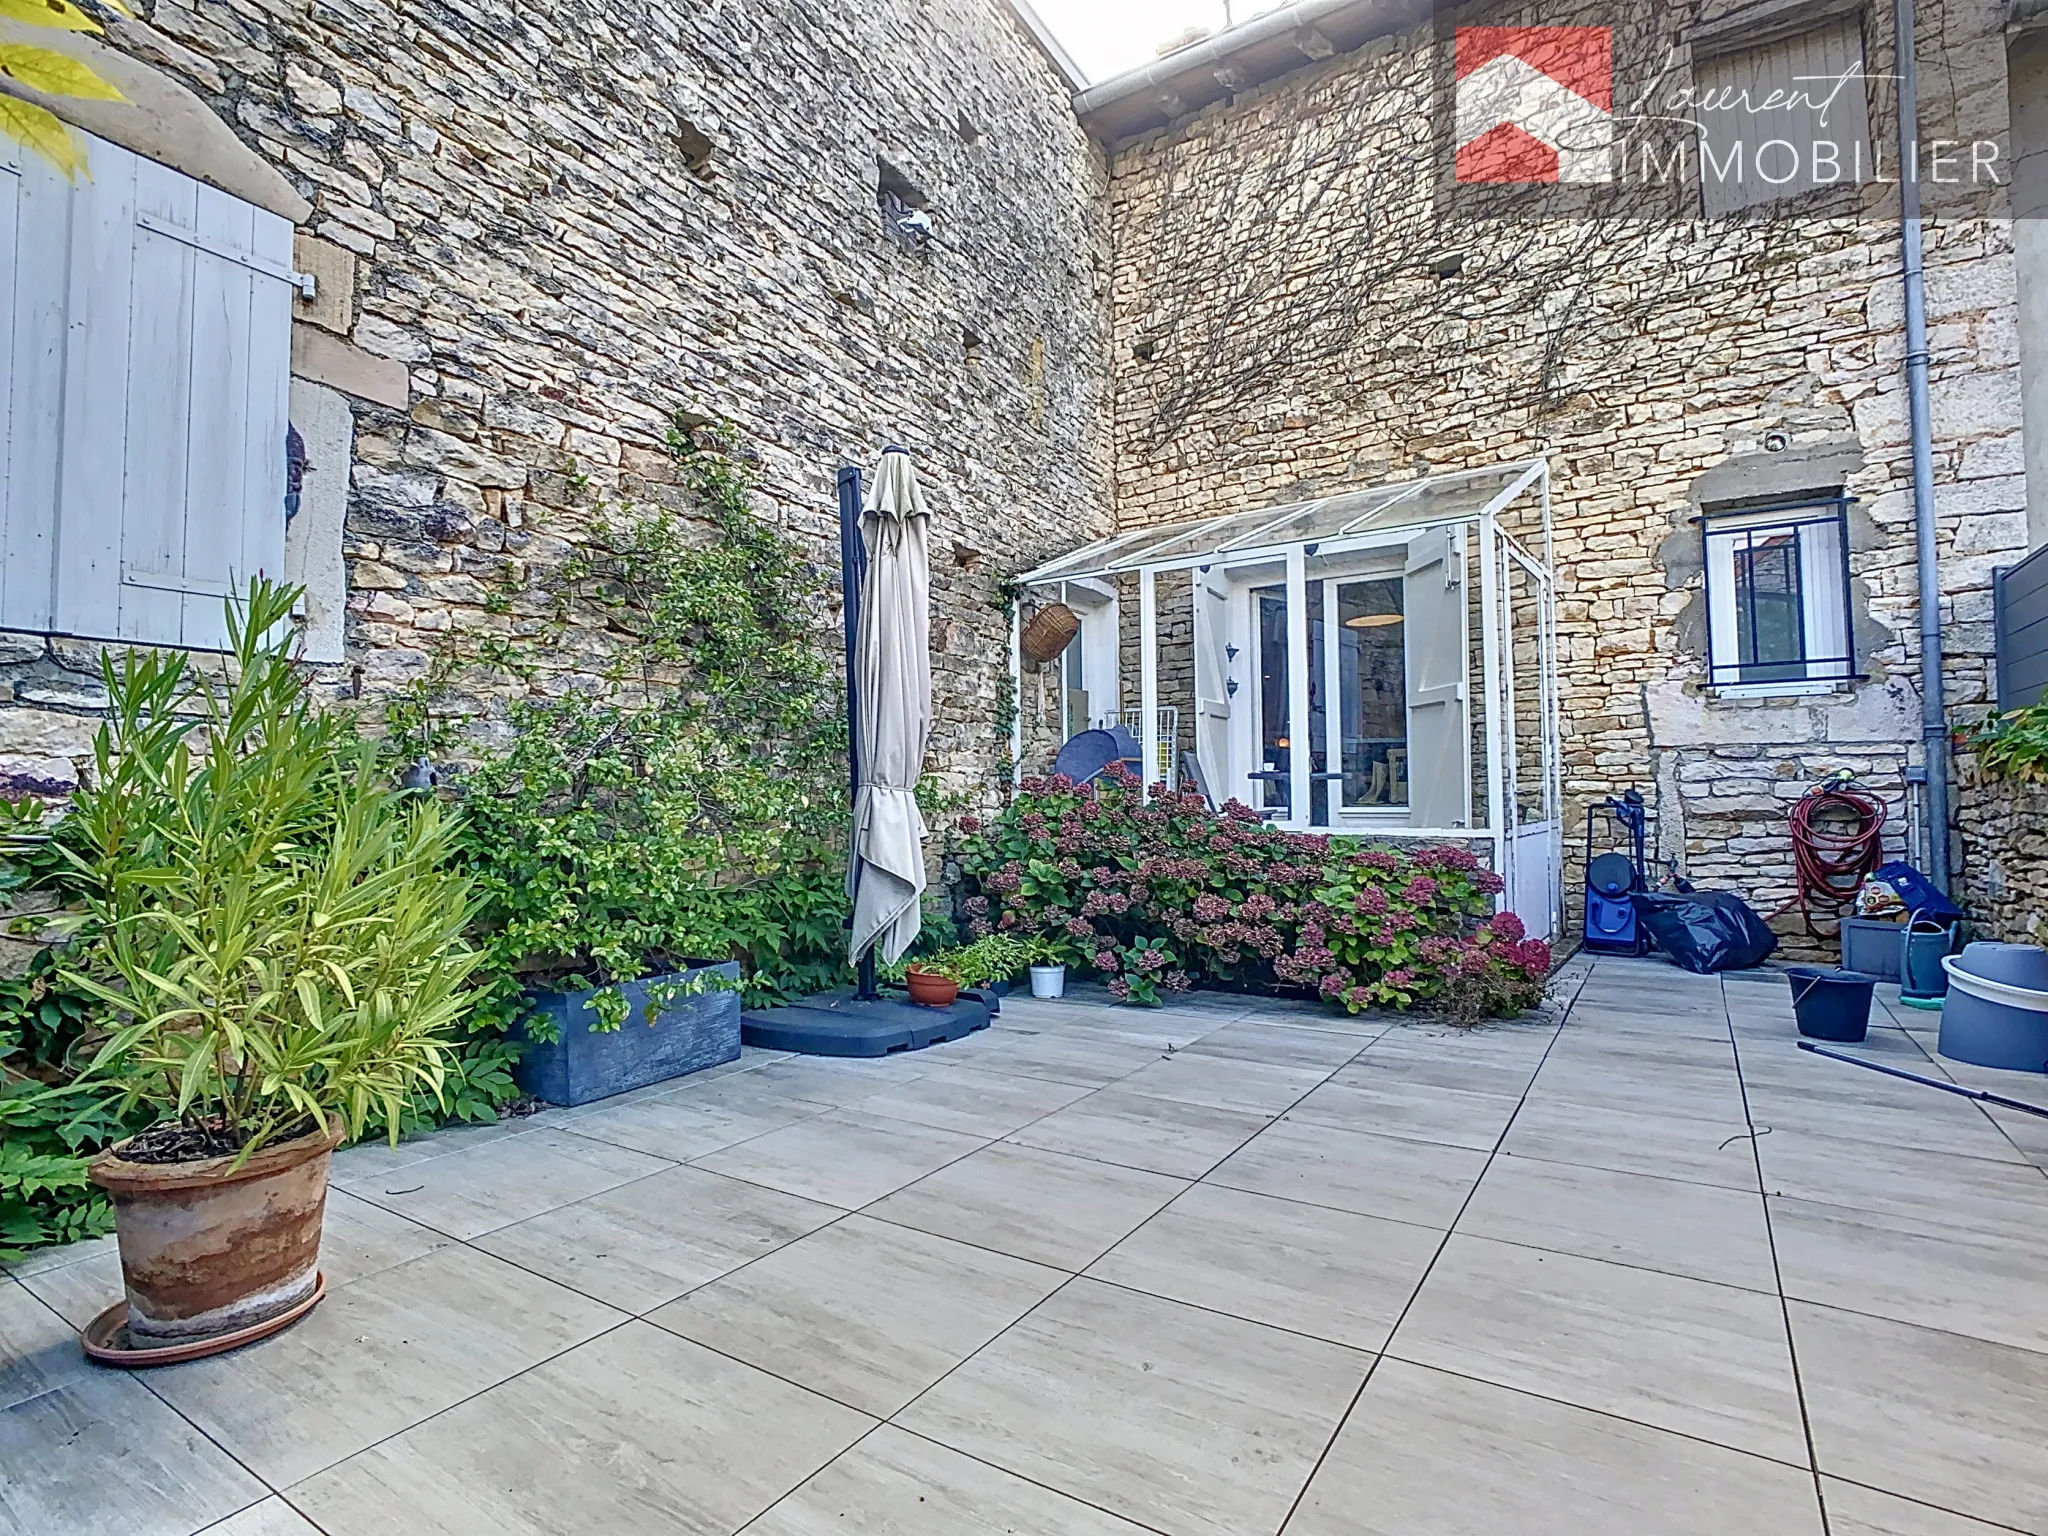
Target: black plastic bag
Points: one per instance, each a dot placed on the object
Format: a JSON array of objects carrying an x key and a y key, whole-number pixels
[{"x": 1706, "y": 931}]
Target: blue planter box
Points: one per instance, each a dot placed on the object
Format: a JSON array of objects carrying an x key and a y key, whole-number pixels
[{"x": 688, "y": 1035}]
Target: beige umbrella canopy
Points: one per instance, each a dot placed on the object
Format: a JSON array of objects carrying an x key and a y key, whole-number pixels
[{"x": 893, "y": 721}]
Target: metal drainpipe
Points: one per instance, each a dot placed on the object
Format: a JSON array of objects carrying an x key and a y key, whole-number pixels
[{"x": 1933, "y": 704}]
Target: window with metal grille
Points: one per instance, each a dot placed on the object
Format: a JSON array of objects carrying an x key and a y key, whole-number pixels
[{"x": 1778, "y": 596}]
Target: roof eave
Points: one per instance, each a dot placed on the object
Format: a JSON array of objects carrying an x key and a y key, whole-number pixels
[{"x": 1261, "y": 49}]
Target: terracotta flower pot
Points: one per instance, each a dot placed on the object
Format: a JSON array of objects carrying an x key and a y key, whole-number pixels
[
  {"x": 931, "y": 990},
  {"x": 208, "y": 1248}
]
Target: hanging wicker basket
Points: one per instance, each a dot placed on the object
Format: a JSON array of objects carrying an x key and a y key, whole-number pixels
[{"x": 1048, "y": 632}]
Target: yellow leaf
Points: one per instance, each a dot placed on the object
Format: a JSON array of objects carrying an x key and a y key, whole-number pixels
[
  {"x": 54, "y": 74},
  {"x": 61, "y": 14},
  {"x": 41, "y": 130}
]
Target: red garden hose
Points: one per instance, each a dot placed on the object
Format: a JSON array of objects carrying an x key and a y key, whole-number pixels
[{"x": 1837, "y": 844}]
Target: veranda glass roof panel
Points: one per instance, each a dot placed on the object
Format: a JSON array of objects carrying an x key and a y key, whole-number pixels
[{"x": 1406, "y": 504}]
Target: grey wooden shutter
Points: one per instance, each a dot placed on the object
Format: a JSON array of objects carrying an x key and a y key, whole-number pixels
[
  {"x": 1751, "y": 153},
  {"x": 144, "y": 465}
]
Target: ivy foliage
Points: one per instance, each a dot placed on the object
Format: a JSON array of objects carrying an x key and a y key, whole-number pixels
[
  {"x": 692, "y": 807},
  {"x": 2012, "y": 745},
  {"x": 48, "y": 1130}
]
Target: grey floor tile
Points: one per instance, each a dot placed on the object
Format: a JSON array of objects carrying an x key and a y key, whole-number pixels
[
  {"x": 1224, "y": 1083},
  {"x": 273, "y": 1517},
  {"x": 1857, "y": 1511},
  {"x": 988, "y": 1104},
  {"x": 386, "y": 1352},
  {"x": 744, "y": 1095},
  {"x": 1414, "y": 1181},
  {"x": 1278, "y": 1045},
  {"x": 678, "y": 1127},
  {"x": 370, "y": 1160},
  {"x": 647, "y": 1242},
  {"x": 1654, "y": 1088},
  {"x": 1191, "y": 1423},
  {"x": 38, "y": 1349},
  {"x": 1042, "y": 1206},
  {"x": 1061, "y": 1057},
  {"x": 1931, "y": 1416},
  {"x": 1137, "y": 1130},
  {"x": 864, "y": 1312},
  {"x": 1705, "y": 1151},
  {"x": 39, "y": 1259},
  {"x": 1470, "y": 1070},
  {"x": 1699, "y": 1230},
  {"x": 1905, "y": 1181},
  {"x": 1334, "y": 1274},
  {"x": 1451, "y": 1117},
  {"x": 482, "y": 1188},
  {"x": 1987, "y": 1284},
  {"x": 639, "y": 1433},
  {"x": 838, "y": 1082},
  {"x": 1678, "y": 1354},
  {"x": 1935, "y": 1123},
  {"x": 845, "y": 1158},
  {"x": 1429, "y": 1454},
  {"x": 897, "y": 1484},
  {"x": 100, "y": 1456},
  {"x": 2027, "y": 1133}
]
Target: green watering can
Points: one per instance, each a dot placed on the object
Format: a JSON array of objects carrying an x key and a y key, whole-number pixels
[{"x": 1923, "y": 982}]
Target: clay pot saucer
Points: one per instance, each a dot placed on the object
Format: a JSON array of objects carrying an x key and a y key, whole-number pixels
[{"x": 106, "y": 1339}]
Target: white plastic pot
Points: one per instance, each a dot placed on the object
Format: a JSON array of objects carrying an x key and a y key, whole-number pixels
[{"x": 1048, "y": 981}]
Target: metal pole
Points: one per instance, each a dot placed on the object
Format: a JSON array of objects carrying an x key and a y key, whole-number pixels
[
  {"x": 1933, "y": 704},
  {"x": 1976, "y": 1094},
  {"x": 853, "y": 572}
]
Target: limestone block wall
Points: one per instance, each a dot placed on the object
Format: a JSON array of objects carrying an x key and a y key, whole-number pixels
[
  {"x": 1660, "y": 366},
  {"x": 2004, "y": 836},
  {"x": 556, "y": 227}
]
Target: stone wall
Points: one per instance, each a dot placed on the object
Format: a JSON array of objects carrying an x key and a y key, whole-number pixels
[
  {"x": 1695, "y": 363},
  {"x": 2004, "y": 853},
  {"x": 544, "y": 232}
]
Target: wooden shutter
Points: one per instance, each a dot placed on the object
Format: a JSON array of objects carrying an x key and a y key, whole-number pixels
[
  {"x": 1753, "y": 153},
  {"x": 144, "y": 465}
]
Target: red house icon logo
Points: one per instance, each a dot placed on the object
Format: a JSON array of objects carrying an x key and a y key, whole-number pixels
[{"x": 1535, "y": 104}]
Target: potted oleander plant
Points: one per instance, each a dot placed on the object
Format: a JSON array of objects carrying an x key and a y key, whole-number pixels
[{"x": 274, "y": 934}]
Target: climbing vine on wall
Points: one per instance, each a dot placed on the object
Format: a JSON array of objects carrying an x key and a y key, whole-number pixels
[{"x": 690, "y": 805}]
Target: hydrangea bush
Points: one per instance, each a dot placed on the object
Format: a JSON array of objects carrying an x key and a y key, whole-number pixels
[{"x": 1167, "y": 895}]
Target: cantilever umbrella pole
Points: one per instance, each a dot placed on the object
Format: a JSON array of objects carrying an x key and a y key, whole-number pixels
[{"x": 853, "y": 570}]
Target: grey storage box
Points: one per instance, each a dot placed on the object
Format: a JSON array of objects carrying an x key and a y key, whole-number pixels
[
  {"x": 688, "y": 1034},
  {"x": 1874, "y": 947}
]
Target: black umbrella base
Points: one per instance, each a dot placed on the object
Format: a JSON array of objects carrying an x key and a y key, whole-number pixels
[{"x": 840, "y": 1024}]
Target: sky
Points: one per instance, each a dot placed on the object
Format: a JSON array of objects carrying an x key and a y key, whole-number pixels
[{"x": 1107, "y": 37}]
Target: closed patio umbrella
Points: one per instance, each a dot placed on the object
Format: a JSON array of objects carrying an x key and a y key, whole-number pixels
[{"x": 893, "y": 715}]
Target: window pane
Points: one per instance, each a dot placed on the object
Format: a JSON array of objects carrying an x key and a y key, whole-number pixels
[
  {"x": 1373, "y": 678},
  {"x": 1770, "y": 608}
]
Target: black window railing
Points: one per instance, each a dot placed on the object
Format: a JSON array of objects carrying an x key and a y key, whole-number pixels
[{"x": 1778, "y": 593}]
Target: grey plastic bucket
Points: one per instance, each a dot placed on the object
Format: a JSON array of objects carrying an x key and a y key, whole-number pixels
[{"x": 1992, "y": 1023}]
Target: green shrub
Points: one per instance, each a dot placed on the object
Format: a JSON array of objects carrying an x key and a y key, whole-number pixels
[
  {"x": 692, "y": 804},
  {"x": 1166, "y": 895},
  {"x": 269, "y": 921},
  {"x": 2012, "y": 745}
]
